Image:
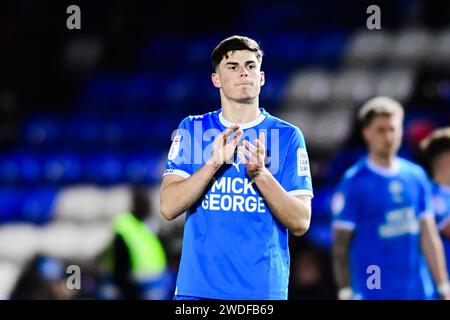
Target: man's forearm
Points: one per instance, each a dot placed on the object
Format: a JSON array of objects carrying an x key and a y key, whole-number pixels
[
  {"x": 178, "y": 196},
  {"x": 294, "y": 213},
  {"x": 434, "y": 254},
  {"x": 341, "y": 267}
]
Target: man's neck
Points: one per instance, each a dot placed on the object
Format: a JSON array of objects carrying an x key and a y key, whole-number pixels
[
  {"x": 442, "y": 178},
  {"x": 240, "y": 112},
  {"x": 385, "y": 162}
]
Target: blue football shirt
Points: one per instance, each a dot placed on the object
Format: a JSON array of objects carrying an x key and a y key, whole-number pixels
[
  {"x": 384, "y": 207},
  {"x": 441, "y": 207},
  {"x": 233, "y": 247}
]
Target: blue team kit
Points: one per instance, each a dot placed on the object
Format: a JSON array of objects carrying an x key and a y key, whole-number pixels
[
  {"x": 386, "y": 228},
  {"x": 233, "y": 247}
]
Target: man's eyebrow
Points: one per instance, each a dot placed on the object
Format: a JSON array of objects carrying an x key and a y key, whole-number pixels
[{"x": 237, "y": 63}]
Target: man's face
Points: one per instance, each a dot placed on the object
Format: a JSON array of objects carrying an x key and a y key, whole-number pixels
[
  {"x": 384, "y": 135},
  {"x": 239, "y": 76}
]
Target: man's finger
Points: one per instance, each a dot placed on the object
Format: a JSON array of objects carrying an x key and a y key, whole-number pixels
[
  {"x": 249, "y": 155},
  {"x": 250, "y": 146},
  {"x": 262, "y": 138},
  {"x": 260, "y": 155},
  {"x": 230, "y": 130},
  {"x": 237, "y": 137},
  {"x": 260, "y": 146},
  {"x": 241, "y": 156}
]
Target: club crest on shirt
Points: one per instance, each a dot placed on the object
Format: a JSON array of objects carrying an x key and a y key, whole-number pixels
[{"x": 396, "y": 189}]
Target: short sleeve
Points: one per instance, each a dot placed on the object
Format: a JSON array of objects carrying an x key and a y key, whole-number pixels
[
  {"x": 344, "y": 206},
  {"x": 179, "y": 160},
  {"x": 296, "y": 175}
]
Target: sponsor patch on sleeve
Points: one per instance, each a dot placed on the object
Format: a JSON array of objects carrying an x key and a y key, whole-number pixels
[
  {"x": 168, "y": 171},
  {"x": 302, "y": 163},
  {"x": 175, "y": 147}
]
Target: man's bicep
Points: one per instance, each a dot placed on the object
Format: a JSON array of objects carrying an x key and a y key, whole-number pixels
[
  {"x": 306, "y": 200},
  {"x": 171, "y": 178}
]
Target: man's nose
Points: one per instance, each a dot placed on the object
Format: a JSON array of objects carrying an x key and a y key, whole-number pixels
[{"x": 244, "y": 72}]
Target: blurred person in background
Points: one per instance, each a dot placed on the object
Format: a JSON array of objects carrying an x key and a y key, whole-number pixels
[
  {"x": 383, "y": 219},
  {"x": 239, "y": 212},
  {"x": 312, "y": 277},
  {"x": 436, "y": 151},
  {"x": 134, "y": 267},
  {"x": 44, "y": 278}
]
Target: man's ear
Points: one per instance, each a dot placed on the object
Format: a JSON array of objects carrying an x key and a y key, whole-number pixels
[
  {"x": 262, "y": 78},
  {"x": 216, "y": 80}
]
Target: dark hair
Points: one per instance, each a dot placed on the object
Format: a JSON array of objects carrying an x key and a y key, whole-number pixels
[
  {"x": 379, "y": 106},
  {"x": 435, "y": 145},
  {"x": 234, "y": 43}
]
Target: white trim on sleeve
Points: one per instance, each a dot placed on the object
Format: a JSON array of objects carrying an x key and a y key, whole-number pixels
[
  {"x": 301, "y": 192},
  {"x": 426, "y": 214},
  {"x": 177, "y": 172},
  {"x": 342, "y": 224}
]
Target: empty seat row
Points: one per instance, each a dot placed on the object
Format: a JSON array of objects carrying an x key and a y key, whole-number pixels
[{"x": 59, "y": 167}]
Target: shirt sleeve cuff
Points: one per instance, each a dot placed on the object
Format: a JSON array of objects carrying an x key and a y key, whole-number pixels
[
  {"x": 343, "y": 224},
  {"x": 426, "y": 214},
  {"x": 177, "y": 172}
]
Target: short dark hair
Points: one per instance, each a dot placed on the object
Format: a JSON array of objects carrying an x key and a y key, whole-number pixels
[
  {"x": 435, "y": 144},
  {"x": 234, "y": 43},
  {"x": 379, "y": 106}
]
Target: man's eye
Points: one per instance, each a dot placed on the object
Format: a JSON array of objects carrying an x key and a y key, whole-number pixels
[
  {"x": 233, "y": 68},
  {"x": 252, "y": 66}
]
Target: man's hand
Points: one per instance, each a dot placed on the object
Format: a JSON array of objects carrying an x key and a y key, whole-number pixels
[
  {"x": 256, "y": 155},
  {"x": 222, "y": 148}
]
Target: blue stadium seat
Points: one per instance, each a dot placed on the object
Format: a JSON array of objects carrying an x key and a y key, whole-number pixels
[
  {"x": 37, "y": 205},
  {"x": 63, "y": 167},
  {"x": 287, "y": 48},
  {"x": 42, "y": 130},
  {"x": 104, "y": 167},
  {"x": 10, "y": 201},
  {"x": 84, "y": 130},
  {"x": 101, "y": 93},
  {"x": 327, "y": 47},
  {"x": 20, "y": 166},
  {"x": 143, "y": 167}
]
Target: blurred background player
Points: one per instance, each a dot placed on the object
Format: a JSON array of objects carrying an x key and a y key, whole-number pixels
[
  {"x": 134, "y": 267},
  {"x": 436, "y": 151},
  {"x": 383, "y": 216},
  {"x": 239, "y": 212}
]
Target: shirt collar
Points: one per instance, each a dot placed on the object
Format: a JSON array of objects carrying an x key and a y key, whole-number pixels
[
  {"x": 245, "y": 125},
  {"x": 384, "y": 171}
]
